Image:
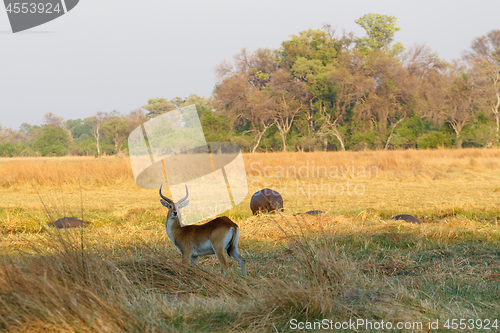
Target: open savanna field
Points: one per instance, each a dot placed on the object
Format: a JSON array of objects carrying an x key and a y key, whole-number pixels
[{"x": 122, "y": 273}]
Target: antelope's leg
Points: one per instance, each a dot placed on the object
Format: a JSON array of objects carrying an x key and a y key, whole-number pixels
[
  {"x": 219, "y": 253},
  {"x": 194, "y": 259},
  {"x": 233, "y": 252},
  {"x": 185, "y": 257}
]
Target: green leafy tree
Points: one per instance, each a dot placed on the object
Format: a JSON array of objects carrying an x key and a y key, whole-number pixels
[
  {"x": 311, "y": 45},
  {"x": 308, "y": 56},
  {"x": 364, "y": 139},
  {"x": 313, "y": 74},
  {"x": 118, "y": 129},
  {"x": 7, "y": 150},
  {"x": 480, "y": 133},
  {"x": 408, "y": 132},
  {"x": 380, "y": 30},
  {"x": 192, "y": 99},
  {"x": 157, "y": 106},
  {"x": 80, "y": 129},
  {"x": 22, "y": 149},
  {"x": 53, "y": 142},
  {"x": 216, "y": 128},
  {"x": 87, "y": 147}
]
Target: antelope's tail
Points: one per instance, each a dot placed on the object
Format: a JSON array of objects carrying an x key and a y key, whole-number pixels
[{"x": 234, "y": 241}]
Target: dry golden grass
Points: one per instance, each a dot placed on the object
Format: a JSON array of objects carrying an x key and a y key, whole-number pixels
[
  {"x": 64, "y": 170},
  {"x": 440, "y": 181},
  {"x": 122, "y": 274}
]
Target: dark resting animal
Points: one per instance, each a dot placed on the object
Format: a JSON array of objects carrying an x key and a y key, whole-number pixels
[
  {"x": 68, "y": 222},
  {"x": 266, "y": 200},
  {"x": 407, "y": 218},
  {"x": 314, "y": 212}
]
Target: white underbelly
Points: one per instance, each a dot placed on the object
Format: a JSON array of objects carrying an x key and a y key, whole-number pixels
[{"x": 204, "y": 248}]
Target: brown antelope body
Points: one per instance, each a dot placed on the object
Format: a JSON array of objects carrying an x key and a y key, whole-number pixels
[{"x": 193, "y": 241}]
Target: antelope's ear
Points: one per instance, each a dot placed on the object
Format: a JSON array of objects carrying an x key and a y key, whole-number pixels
[
  {"x": 182, "y": 205},
  {"x": 166, "y": 204}
]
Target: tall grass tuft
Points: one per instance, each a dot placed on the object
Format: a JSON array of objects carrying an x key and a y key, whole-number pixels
[
  {"x": 68, "y": 288},
  {"x": 64, "y": 284}
]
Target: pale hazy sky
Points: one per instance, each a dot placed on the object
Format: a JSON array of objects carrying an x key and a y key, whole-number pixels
[{"x": 106, "y": 55}]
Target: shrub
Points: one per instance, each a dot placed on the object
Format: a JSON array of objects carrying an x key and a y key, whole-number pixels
[
  {"x": 88, "y": 147},
  {"x": 434, "y": 139},
  {"x": 53, "y": 142},
  {"x": 7, "y": 150}
]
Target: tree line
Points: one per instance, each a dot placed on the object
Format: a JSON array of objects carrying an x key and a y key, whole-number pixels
[
  {"x": 323, "y": 91},
  {"x": 105, "y": 133},
  {"x": 318, "y": 91}
]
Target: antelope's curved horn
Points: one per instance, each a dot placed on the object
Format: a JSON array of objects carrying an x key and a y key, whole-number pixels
[
  {"x": 164, "y": 197},
  {"x": 184, "y": 199}
]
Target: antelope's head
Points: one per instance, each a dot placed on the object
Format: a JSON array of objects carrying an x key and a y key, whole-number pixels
[{"x": 174, "y": 208}]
